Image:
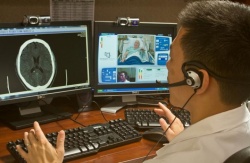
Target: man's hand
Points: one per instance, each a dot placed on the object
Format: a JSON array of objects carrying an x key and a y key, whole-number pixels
[
  {"x": 39, "y": 148},
  {"x": 175, "y": 128}
]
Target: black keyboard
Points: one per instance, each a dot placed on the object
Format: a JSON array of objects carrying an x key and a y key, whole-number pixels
[
  {"x": 147, "y": 118},
  {"x": 84, "y": 141}
]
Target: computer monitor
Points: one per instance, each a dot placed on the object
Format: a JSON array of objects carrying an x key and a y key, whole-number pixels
[
  {"x": 38, "y": 63},
  {"x": 129, "y": 60}
]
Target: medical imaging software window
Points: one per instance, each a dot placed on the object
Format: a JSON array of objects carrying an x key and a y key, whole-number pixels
[{"x": 36, "y": 59}]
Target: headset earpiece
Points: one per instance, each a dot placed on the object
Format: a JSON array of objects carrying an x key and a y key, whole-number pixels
[{"x": 193, "y": 78}]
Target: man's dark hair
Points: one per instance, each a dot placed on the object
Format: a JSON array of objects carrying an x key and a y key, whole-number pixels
[
  {"x": 218, "y": 35},
  {"x": 124, "y": 72}
]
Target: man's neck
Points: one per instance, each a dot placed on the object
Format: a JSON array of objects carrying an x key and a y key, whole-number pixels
[{"x": 207, "y": 108}]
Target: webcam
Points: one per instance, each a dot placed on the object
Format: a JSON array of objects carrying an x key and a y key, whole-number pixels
[
  {"x": 127, "y": 21},
  {"x": 36, "y": 20}
]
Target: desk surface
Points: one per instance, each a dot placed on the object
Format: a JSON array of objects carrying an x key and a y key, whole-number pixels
[{"x": 134, "y": 152}]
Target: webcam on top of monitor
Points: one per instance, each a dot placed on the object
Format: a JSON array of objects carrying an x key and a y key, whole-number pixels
[
  {"x": 128, "y": 21},
  {"x": 36, "y": 20}
]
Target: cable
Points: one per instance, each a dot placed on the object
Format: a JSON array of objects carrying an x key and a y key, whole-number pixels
[
  {"x": 77, "y": 122},
  {"x": 163, "y": 134},
  {"x": 84, "y": 106},
  {"x": 79, "y": 112},
  {"x": 58, "y": 115},
  {"x": 100, "y": 110},
  {"x": 74, "y": 120}
]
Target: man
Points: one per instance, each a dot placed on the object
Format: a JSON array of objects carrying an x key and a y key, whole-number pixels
[
  {"x": 211, "y": 51},
  {"x": 215, "y": 43},
  {"x": 123, "y": 77}
]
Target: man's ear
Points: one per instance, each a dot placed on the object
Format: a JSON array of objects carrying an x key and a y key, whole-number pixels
[{"x": 205, "y": 82}]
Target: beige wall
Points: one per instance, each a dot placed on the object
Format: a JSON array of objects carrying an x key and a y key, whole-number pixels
[{"x": 146, "y": 10}]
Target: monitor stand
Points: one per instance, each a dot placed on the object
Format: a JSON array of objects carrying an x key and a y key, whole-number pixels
[
  {"x": 23, "y": 115},
  {"x": 118, "y": 103}
]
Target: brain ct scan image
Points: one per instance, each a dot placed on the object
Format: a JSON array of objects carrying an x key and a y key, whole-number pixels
[{"x": 36, "y": 65}]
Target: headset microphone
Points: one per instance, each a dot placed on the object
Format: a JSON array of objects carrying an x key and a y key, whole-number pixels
[{"x": 180, "y": 83}]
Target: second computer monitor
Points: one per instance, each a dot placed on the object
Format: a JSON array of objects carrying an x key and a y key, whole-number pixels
[{"x": 129, "y": 59}]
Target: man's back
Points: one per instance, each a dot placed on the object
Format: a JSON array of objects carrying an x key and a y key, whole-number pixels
[{"x": 213, "y": 139}]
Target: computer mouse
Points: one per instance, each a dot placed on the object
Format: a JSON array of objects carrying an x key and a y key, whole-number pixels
[{"x": 155, "y": 134}]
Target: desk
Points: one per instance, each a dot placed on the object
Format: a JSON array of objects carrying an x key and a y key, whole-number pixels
[{"x": 134, "y": 152}]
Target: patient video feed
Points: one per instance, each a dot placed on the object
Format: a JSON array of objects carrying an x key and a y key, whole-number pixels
[
  {"x": 132, "y": 58},
  {"x": 134, "y": 49}
]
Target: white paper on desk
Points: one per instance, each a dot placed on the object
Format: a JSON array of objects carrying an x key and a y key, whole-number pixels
[{"x": 70, "y": 10}]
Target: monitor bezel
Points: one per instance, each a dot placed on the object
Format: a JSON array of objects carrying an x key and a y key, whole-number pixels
[{"x": 61, "y": 92}]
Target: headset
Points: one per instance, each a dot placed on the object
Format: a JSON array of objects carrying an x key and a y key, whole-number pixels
[
  {"x": 193, "y": 77},
  {"x": 200, "y": 65}
]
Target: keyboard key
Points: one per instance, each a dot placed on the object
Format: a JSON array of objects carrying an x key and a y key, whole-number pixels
[
  {"x": 72, "y": 151},
  {"x": 154, "y": 124}
]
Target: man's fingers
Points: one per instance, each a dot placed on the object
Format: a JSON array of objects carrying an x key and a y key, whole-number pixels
[
  {"x": 163, "y": 124},
  {"x": 26, "y": 139},
  {"x": 164, "y": 111},
  {"x": 31, "y": 137},
  {"x": 22, "y": 152},
  {"x": 60, "y": 143},
  {"x": 39, "y": 133},
  {"x": 161, "y": 111},
  {"x": 169, "y": 133}
]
